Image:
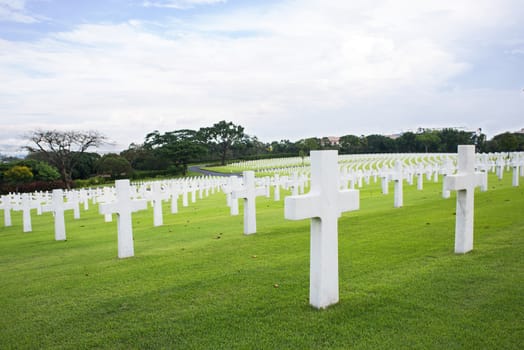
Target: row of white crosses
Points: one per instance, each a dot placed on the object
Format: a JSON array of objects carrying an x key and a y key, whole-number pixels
[
  {"x": 325, "y": 202},
  {"x": 42, "y": 203},
  {"x": 323, "y": 205},
  {"x": 127, "y": 202},
  {"x": 432, "y": 165}
]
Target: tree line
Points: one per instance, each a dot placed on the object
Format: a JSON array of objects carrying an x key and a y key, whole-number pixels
[{"x": 61, "y": 158}]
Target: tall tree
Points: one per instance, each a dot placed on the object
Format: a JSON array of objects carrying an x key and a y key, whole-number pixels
[
  {"x": 143, "y": 157},
  {"x": 85, "y": 166},
  {"x": 113, "y": 165},
  {"x": 451, "y": 138},
  {"x": 63, "y": 148},
  {"x": 407, "y": 142},
  {"x": 507, "y": 142},
  {"x": 380, "y": 144},
  {"x": 308, "y": 145},
  {"x": 428, "y": 140},
  {"x": 351, "y": 144},
  {"x": 178, "y": 148},
  {"x": 223, "y": 135}
]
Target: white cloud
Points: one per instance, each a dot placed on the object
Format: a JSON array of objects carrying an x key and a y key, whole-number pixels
[
  {"x": 295, "y": 69},
  {"x": 14, "y": 11},
  {"x": 180, "y": 4},
  {"x": 16, "y": 5}
]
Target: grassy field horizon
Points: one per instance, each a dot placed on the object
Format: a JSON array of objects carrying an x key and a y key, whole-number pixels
[{"x": 198, "y": 283}]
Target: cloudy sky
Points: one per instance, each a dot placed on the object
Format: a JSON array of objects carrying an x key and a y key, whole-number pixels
[{"x": 284, "y": 69}]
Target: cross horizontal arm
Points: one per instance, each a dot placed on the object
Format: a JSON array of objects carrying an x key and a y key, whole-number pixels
[
  {"x": 137, "y": 205},
  {"x": 302, "y": 207},
  {"x": 348, "y": 200},
  {"x": 239, "y": 194},
  {"x": 462, "y": 181},
  {"x": 107, "y": 208},
  {"x": 260, "y": 191}
]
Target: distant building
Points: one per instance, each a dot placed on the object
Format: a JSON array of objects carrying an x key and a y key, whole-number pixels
[
  {"x": 330, "y": 141},
  {"x": 394, "y": 136},
  {"x": 335, "y": 140}
]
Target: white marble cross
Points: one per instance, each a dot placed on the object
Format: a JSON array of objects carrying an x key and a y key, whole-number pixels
[
  {"x": 276, "y": 187},
  {"x": 25, "y": 206},
  {"x": 58, "y": 207},
  {"x": 464, "y": 182},
  {"x": 174, "y": 189},
  {"x": 83, "y": 197},
  {"x": 106, "y": 196},
  {"x": 500, "y": 166},
  {"x": 249, "y": 193},
  {"x": 124, "y": 206},
  {"x": 521, "y": 162},
  {"x": 420, "y": 177},
  {"x": 323, "y": 205},
  {"x": 447, "y": 169},
  {"x": 232, "y": 185},
  {"x": 73, "y": 199},
  {"x": 156, "y": 196},
  {"x": 398, "y": 178},
  {"x": 6, "y": 206},
  {"x": 384, "y": 175},
  {"x": 185, "y": 190},
  {"x": 515, "y": 165},
  {"x": 193, "y": 191},
  {"x": 294, "y": 183}
]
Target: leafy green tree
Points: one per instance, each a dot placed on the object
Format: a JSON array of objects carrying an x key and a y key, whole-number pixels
[
  {"x": 222, "y": 136},
  {"x": 451, "y": 138},
  {"x": 380, "y": 144},
  {"x": 308, "y": 145},
  {"x": 407, "y": 142},
  {"x": 18, "y": 174},
  {"x": 62, "y": 148},
  {"x": 351, "y": 144},
  {"x": 506, "y": 142},
  {"x": 114, "y": 165},
  {"x": 42, "y": 171},
  {"x": 178, "y": 148},
  {"x": 429, "y": 141},
  {"x": 249, "y": 147},
  {"x": 283, "y": 147},
  {"x": 45, "y": 172},
  {"x": 85, "y": 165},
  {"x": 144, "y": 157}
]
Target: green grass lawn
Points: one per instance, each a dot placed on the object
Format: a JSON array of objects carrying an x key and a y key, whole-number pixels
[{"x": 198, "y": 283}]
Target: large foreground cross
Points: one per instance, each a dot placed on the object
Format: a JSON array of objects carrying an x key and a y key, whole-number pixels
[
  {"x": 323, "y": 204},
  {"x": 464, "y": 182},
  {"x": 123, "y": 207}
]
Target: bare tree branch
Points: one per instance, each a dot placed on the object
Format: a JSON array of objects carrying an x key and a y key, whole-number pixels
[{"x": 61, "y": 148}]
